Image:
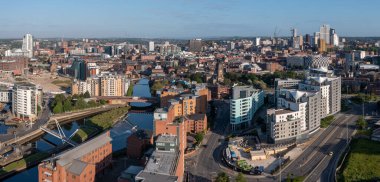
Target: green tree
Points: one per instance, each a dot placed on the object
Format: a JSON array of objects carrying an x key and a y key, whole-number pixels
[
  {"x": 58, "y": 108},
  {"x": 197, "y": 77},
  {"x": 58, "y": 98},
  {"x": 240, "y": 178},
  {"x": 156, "y": 86},
  {"x": 80, "y": 104},
  {"x": 361, "y": 123},
  {"x": 38, "y": 108},
  {"x": 102, "y": 101},
  {"x": 222, "y": 177},
  {"x": 227, "y": 82},
  {"x": 260, "y": 84},
  {"x": 92, "y": 103},
  {"x": 130, "y": 89},
  {"x": 67, "y": 105},
  {"x": 86, "y": 94},
  {"x": 199, "y": 137}
]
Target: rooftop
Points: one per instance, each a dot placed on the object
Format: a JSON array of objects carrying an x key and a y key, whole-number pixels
[
  {"x": 166, "y": 139},
  {"x": 24, "y": 84},
  {"x": 240, "y": 92},
  {"x": 162, "y": 162},
  {"x": 283, "y": 111},
  {"x": 68, "y": 157},
  {"x": 155, "y": 177},
  {"x": 197, "y": 116},
  {"x": 161, "y": 110},
  {"x": 77, "y": 167}
]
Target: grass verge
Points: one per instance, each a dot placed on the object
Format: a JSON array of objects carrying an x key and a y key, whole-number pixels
[
  {"x": 106, "y": 120},
  {"x": 83, "y": 134},
  {"x": 363, "y": 161},
  {"x": 23, "y": 163},
  {"x": 325, "y": 122}
]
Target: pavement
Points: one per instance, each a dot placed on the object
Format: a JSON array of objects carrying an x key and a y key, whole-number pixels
[{"x": 313, "y": 163}]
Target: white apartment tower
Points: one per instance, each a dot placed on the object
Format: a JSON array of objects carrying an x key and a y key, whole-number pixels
[
  {"x": 27, "y": 44},
  {"x": 151, "y": 46},
  {"x": 25, "y": 100},
  {"x": 244, "y": 103},
  {"x": 257, "y": 41}
]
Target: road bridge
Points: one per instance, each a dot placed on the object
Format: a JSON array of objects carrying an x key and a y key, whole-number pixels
[{"x": 128, "y": 99}]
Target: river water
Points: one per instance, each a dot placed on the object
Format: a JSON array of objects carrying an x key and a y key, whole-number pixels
[{"x": 119, "y": 132}]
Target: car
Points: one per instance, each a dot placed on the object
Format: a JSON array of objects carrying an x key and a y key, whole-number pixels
[{"x": 331, "y": 153}]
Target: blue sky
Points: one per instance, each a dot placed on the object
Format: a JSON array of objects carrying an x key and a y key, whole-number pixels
[{"x": 185, "y": 18}]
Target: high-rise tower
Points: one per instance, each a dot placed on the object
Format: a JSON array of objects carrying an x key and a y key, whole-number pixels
[{"x": 27, "y": 44}]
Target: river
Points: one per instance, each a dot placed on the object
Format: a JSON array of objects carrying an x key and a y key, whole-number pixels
[{"x": 119, "y": 132}]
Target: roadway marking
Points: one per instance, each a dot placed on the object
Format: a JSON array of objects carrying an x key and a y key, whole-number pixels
[
  {"x": 312, "y": 172},
  {"x": 323, "y": 141}
]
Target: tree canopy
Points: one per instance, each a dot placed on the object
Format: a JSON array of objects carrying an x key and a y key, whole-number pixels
[{"x": 222, "y": 177}]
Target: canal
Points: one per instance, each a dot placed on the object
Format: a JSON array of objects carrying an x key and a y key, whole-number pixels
[{"x": 119, "y": 132}]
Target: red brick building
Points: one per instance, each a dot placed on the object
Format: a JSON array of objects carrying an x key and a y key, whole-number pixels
[
  {"x": 14, "y": 64},
  {"x": 196, "y": 123},
  {"x": 138, "y": 142},
  {"x": 81, "y": 163}
]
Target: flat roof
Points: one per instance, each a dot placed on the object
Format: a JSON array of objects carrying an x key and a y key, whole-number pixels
[
  {"x": 27, "y": 84},
  {"x": 283, "y": 111},
  {"x": 197, "y": 116},
  {"x": 154, "y": 177},
  {"x": 162, "y": 162},
  {"x": 166, "y": 139}
]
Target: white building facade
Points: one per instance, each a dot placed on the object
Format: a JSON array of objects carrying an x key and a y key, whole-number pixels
[
  {"x": 25, "y": 100},
  {"x": 244, "y": 103}
]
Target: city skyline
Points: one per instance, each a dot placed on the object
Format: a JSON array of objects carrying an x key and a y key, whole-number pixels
[{"x": 183, "y": 19}]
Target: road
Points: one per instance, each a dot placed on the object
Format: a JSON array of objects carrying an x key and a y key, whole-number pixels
[
  {"x": 42, "y": 119},
  {"x": 314, "y": 163},
  {"x": 205, "y": 166},
  {"x": 314, "y": 160}
]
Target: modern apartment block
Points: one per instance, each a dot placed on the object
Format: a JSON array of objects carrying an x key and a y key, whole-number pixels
[
  {"x": 244, "y": 103},
  {"x": 91, "y": 85},
  {"x": 319, "y": 84},
  {"x": 25, "y": 100},
  {"x": 105, "y": 85},
  {"x": 5, "y": 94},
  {"x": 113, "y": 85},
  {"x": 297, "y": 114},
  {"x": 300, "y": 105},
  {"x": 284, "y": 83},
  {"x": 330, "y": 88},
  {"x": 81, "y": 163}
]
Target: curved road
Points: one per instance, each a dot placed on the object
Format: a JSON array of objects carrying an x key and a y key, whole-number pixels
[{"x": 314, "y": 163}]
